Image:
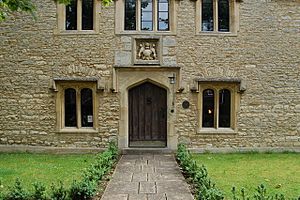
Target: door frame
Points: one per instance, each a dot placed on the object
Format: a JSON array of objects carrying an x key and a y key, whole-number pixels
[{"x": 128, "y": 78}]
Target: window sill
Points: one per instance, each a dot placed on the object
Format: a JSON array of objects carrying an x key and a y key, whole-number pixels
[
  {"x": 217, "y": 131},
  {"x": 145, "y": 33},
  {"x": 78, "y": 131},
  {"x": 217, "y": 34},
  {"x": 75, "y": 32}
]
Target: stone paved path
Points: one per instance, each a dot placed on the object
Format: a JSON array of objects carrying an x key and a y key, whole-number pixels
[{"x": 147, "y": 177}]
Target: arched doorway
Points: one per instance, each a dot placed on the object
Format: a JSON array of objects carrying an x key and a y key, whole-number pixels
[{"x": 147, "y": 116}]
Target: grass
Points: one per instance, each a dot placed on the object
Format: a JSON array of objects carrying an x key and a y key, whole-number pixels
[
  {"x": 279, "y": 172},
  {"x": 45, "y": 168}
]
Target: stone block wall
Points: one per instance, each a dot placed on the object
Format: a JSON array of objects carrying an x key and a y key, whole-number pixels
[
  {"x": 32, "y": 55},
  {"x": 264, "y": 53}
]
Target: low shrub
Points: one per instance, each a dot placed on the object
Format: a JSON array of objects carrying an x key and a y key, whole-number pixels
[
  {"x": 58, "y": 192},
  {"x": 17, "y": 192},
  {"x": 260, "y": 194},
  {"x": 83, "y": 189},
  {"x": 207, "y": 190},
  {"x": 39, "y": 191},
  {"x": 1, "y": 192},
  {"x": 86, "y": 188}
]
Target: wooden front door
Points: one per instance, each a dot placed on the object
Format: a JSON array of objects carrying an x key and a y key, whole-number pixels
[{"x": 147, "y": 116}]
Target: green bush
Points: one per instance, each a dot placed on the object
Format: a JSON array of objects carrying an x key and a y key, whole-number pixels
[
  {"x": 94, "y": 173},
  {"x": 58, "y": 192},
  {"x": 206, "y": 189},
  {"x": 83, "y": 189},
  {"x": 1, "y": 188},
  {"x": 260, "y": 194},
  {"x": 17, "y": 192},
  {"x": 39, "y": 192},
  {"x": 86, "y": 188}
]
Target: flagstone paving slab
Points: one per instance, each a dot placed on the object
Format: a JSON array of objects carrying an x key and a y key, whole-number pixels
[{"x": 147, "y": 177}]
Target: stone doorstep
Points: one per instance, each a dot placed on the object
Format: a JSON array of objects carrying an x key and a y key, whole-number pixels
[{"x": 142, "y": 151}]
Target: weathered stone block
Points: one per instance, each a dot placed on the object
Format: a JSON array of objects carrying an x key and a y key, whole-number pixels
[
  {"x": 169, "y": 42},
  {"x": 169, "y": 61},
  {"x": 123, "y": 58}
]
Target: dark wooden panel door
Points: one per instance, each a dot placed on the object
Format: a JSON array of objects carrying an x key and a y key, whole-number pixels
[{"x": 147, "y": 115}]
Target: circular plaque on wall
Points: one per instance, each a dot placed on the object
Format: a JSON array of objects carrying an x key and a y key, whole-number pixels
[{"x": 185, "y": 104}]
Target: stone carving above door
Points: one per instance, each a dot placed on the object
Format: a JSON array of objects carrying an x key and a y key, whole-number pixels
[{"x": 146, "y": 51}]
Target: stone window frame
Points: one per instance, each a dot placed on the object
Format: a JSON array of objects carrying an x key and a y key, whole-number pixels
[
  {"x": 61, "y": 19},
  {"x": 233, "y": 19},
  {"x": 234, "y": 88},
  {"x": 120, "y": 15},
  {"x": 60, "y": 87}
]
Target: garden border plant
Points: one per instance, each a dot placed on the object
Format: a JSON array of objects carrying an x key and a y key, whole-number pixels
[
  {"x": 83, "y": 189},
  {"x": 205, "y": 188}
]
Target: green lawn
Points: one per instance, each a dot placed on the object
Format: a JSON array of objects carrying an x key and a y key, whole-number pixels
[
  {"x": 45, "y": 168},
  {"x": 279, "y": 172}
]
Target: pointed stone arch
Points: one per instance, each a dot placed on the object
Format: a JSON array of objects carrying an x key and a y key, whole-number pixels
[{"x": 127, "y": 79}]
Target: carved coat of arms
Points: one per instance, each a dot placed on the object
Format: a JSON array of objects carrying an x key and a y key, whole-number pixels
[{"x": 147, "y": 51}]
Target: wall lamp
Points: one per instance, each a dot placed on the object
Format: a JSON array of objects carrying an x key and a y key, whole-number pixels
[{"x": 172, "y": 79}]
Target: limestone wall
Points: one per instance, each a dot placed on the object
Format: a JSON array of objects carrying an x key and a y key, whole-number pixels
[{"x": 264, "y": 53}]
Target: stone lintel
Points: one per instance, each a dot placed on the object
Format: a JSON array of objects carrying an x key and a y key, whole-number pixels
[
  {"x": 226, "y": 80},
  {"x": 100, "y": 86},
  {"x": 146, "y": 67},
  {"x": 146, "y": 62},
  {"x": 241, "y": 82}
]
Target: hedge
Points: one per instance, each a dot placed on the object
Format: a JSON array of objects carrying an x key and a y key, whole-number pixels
[
  {"x": 206, "y": 189},
  {"x": 83, "y": 189}
]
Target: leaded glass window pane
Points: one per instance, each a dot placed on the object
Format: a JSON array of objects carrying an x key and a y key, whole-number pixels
[
  {"x": 86, "y": 107},
  {"x": 87, "y": 14},
  {"x": 70, "y": 108},
  {"x": 146, "y": 15},
  {"x": 208, "y": 108},
  {"x": 163, "y": 15},
  {"x": 224, "y": 108},
  {"x": 130, "y": 15},
  {"x": 207, "y": 23},
  {"x": 223, "y": 15},
  {"x": 71, "y": 15}
]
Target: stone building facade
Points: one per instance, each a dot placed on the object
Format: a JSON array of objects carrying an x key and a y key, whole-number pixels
[{"x": 189, "y": 77}]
